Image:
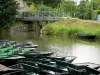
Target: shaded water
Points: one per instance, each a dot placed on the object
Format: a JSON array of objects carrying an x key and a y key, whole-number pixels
[{"x": 86, "y": 51}]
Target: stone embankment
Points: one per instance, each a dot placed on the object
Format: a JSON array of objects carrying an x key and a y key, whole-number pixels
[{"x": 19, "y": 29}]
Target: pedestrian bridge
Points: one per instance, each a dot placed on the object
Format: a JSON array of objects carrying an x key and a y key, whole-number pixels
[
  {"x": 35, "y": 21},
  {"x": 41, "y": 16}
]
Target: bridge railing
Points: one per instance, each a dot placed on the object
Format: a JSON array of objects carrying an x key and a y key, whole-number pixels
[
  {"x": 40, "y": 16},
  {"x": 43, "y": 13}
]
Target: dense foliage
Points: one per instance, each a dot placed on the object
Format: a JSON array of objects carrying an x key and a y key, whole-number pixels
[
  {"x": 84, "y": 10},
  {"x": 7, "y": 12},
  {"x": 69, "y": 7},
  {"x": 51, "y": 3}
]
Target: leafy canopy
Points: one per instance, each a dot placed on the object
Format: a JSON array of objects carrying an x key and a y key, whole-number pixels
[
  {"x": 51, "y": 3},
  {"x": 8, "y": 10}
]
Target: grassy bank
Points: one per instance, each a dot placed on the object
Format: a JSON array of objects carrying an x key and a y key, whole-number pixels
[{"x": 72, "y": 26}]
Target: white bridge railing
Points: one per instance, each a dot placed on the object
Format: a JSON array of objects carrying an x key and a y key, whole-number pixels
[{"x": 42, "y": 15}]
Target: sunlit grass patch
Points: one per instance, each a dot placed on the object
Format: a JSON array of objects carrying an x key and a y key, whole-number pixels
[{"x": 72, "y": 26}]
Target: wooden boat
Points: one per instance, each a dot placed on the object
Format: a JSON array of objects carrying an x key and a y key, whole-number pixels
[
  {"x": 30, "y": 46},
  {"x": 67, "y": 58},
  {"x": 18, "y": 44},
  {"x": 89, "y": 64},
  {"x": 7, "y": 41},
  {"x": 8, "y": 44},
  {"x": 30, "y": 49},
  {"x": 45, "y": 69},
  {"x": 85, "y": 36},
  {"x": 2, "y": 41},
  {"x": 27, "y": 46},
  {"x": 10, "y": 71},
  {"x": 11, "y": 60},
  {"x": 31, "y": 54},
  {"x": 13, "y": 42},
  {"x": 78, "y": 67},
  {"x": 70, "y": 58},
  {"x": 68, "y": 71},
  {"x": 43, "y": 60},
  {"x": 41, "y": 69}
]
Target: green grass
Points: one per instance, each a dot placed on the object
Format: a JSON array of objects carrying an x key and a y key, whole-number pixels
[{"x": 71, "y": 27}]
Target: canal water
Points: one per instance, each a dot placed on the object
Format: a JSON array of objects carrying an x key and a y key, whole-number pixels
[{"x": 86, "y": 51}]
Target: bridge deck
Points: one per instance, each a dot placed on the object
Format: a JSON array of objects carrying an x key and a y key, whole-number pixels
[{"x": 43, "y": 18}]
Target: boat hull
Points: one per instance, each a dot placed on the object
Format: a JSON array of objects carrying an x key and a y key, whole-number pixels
[
  {"x": 11, "y": 60},
  {"x": 36, "y": 54},
  {"x": 11, "y": 70},
  {"x": 84, "y": 36}
]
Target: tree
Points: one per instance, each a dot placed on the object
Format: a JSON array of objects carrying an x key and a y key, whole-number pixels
[
  {"x": 95, "y": 4},
  {"x": 8, "y": 10},
  {"x": 33, "y": 8},
  {"x": 88, "y": 10},
  {"x": 50, "y": 3},
  {"x": 69, "y": 7},
  {"x": 82, "y": 9}
]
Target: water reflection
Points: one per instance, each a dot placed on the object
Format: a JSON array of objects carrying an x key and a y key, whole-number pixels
[{"x": 86, "y": 51}]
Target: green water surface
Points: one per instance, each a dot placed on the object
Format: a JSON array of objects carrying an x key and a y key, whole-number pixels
[{"x": 85, "y": 50}]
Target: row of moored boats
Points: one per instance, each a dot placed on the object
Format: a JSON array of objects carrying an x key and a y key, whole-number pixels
[{"x": 23, "y": 59}]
